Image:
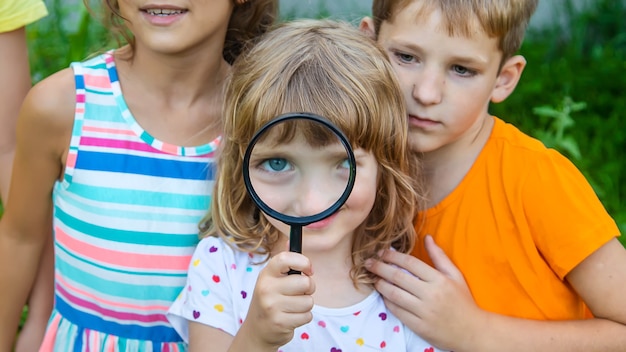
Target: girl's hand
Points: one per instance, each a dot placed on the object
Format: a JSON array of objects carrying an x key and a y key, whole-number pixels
[
  {"x": 280, "y": 302},
  {"x": 433, "y": 302}
]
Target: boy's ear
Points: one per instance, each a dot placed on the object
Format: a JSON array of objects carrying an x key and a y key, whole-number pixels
[
  {"x": 508, "y": 78},
  {"x": 367, "y": 27}
]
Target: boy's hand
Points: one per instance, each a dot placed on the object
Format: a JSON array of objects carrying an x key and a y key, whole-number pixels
[
  {"x": 433, "y": 302},
  {"x": 281, "y": 302}
]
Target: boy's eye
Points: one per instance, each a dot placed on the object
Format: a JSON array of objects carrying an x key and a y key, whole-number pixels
[
  {"x": 405, "y": 58},
  {"x": 275, "y": 165},
  {"x": 463, "y": 71}
]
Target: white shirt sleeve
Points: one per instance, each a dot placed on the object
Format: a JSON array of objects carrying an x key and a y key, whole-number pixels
[{"x": 207, "y": 297}]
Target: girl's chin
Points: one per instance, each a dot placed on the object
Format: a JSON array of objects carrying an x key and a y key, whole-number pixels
[{"x": 315, "y": 246}]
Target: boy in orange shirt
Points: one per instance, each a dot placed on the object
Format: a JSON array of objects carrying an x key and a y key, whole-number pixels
[{"x": 529, "y": 248}]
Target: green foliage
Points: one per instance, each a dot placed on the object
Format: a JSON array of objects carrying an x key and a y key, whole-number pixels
[
  {"x": 321, "y": 11},
  {"x": 554, "y": 134},
  {"x": 582, "y": 63},
  {"x": 69, "y": 33},
  {"x": 579, "y": 59},
  {"x": 348, "y": 10}
]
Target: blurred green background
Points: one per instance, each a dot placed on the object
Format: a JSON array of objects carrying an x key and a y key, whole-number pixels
[{"x": 570, "y": 95}]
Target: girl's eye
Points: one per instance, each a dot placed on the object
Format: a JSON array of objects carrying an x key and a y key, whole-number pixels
[
  {"x": 275, "y": 165},
  {"x": 344, "y": 168}
]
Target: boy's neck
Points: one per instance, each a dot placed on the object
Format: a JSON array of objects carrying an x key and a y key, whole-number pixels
[{"x": 445, "y": 168}]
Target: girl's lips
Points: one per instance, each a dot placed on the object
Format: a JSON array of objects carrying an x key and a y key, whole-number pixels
[
  {"x": 162, "y": 6},
  {"x": 321, "y": 224},
  {"x": 162, "y": 15}
]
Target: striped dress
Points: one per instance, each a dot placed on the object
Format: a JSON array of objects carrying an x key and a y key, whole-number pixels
[{"x": 125, "y": 224}]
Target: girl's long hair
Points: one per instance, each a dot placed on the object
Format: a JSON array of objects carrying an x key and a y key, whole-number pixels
[{"x": 328, "y": 68}]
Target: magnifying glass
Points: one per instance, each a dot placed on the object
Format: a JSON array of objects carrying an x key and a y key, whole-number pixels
[{"x": 299, "y": 168}]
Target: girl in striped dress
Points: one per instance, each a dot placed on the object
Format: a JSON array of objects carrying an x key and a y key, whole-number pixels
[{"x": 117, "y": 153}]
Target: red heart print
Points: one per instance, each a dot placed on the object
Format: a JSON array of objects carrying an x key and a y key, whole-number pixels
[
  {"x": 429, "y": 349},
  {"x": 304, "y": 336},
  {"x": 216, "y": 278}
]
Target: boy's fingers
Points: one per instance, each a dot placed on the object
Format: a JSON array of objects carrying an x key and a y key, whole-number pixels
[
  {"x": 400, "y": 293},
  {"x": 410, "y": 264},
  {"x": 440, "y": 259}
]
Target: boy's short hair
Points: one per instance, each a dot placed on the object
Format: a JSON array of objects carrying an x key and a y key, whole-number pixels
[{"x": 503, "y": 19}]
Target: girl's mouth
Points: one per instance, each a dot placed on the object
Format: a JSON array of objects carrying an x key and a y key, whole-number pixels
[{"x": 165, "y": 12}]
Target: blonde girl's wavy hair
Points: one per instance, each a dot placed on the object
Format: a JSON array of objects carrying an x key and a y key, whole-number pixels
[
  {"x": 331, "y": 69},
  {"x": 503, "y": 19},
  {"x": 249, "y": 20}
]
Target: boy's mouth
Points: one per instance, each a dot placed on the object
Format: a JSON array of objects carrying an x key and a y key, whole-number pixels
[{"x": 419, "y": 121}]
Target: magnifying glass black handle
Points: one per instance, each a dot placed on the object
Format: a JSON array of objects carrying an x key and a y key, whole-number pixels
[{"x": 295, "y": 243}]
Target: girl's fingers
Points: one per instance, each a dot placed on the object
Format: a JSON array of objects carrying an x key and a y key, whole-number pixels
[
  {"x": 283, "y": 262},
  {"x": 274, "y": 277}
]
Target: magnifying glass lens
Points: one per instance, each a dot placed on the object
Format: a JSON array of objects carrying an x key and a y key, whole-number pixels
[{"x": 299, "y": 168}]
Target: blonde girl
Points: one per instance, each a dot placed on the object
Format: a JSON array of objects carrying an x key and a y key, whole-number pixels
[{"x": 239, "y": 296}]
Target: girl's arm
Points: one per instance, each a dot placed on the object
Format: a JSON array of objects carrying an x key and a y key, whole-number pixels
[
  {"x": 15, "y": 73},
  {"x": 40, "y": 302},
  {"x": 280, "y": 304},
  {"x": 43, "y": 133},
  {"x": 439, "y": 307}
]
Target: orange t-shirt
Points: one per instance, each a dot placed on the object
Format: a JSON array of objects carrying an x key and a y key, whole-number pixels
[{"x": 521, "y": 219}]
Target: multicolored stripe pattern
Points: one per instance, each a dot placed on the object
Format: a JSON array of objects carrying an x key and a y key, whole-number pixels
[{"x": 126, "y": 223}]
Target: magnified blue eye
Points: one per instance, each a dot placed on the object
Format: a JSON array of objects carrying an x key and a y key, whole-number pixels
[
  {"x": 346, "y": 164},
  {"x": 275, "y": 165}
]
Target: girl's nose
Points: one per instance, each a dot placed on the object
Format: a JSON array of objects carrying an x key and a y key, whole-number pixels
[{"x": 315, "y": 196}]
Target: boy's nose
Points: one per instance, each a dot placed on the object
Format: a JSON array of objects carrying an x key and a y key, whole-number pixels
[{"x": 428, "y": 88}]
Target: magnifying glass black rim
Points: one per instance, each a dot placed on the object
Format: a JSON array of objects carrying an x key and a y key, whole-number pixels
[{"x": 304, "y": 220}]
